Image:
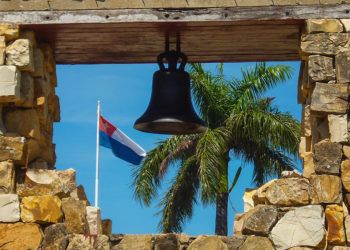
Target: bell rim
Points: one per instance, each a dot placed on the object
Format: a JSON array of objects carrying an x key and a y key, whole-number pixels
[{"x": 159, "y": 127}]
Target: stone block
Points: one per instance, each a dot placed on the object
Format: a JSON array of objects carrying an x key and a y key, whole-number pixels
[
  {"x": 259, "y": 196},
  {"x": 165, "y": 4},
  {"x": 321, "y": 68},
  {"x": 323, "y": 25},
  {"x": 24, "y": 122},
  {"x": 347, "y": 228},
  {"x": 308, "y": 165},
  {"x": 324, "y": 43},
  {"x": 296, "y": 2},
  {"x": 20, "y": 236},
  {"x": 39, "y": 64},
  {"x": 238, "y": 223},
  {"x": 80, "y": 241},
  {"x": 254, "y": 2},
  {"x": 346, "y": 151},
  {"x": 345, "y": 174},
  {"x": 20, "y": 54},
  {"x": 27, "y": 91},
  {"x": 304, "y": 146},
  {"x": 288, "y": 192},
  {"x": 306, "y": 121},
  {"x": 142, "y": 242},
  {"x": 107, "y": 227},
  {"x": 12, "y": 148},
  {"x": 9, "y": 208},
  {"x": 79, "y": 194},
  {"x": 346, "y": 24},
  {"x": 22, "y": 5},
  {"x": 9, "y": 30},
  {"x": 41, "y": 209},
  {"x": 207, "y": 242},
  {"x": 10, "y": 84},
  {"x": 342, "y": 67},
  {"x": 38, "y": 164},
  {"x": 303, "y": 226},
  {"x": 93, "y": 217},
  {"x": 2, "y": 50},
  {"x": 325, "y": 189},
  {"x": 327, "y": 157},
  {"x": 166, "y": 242},
  {"x": 260, "y": 220},
  {"x": 331, "y": 98},
  {"x": 47, "y": 182},
  {"x": 338, "y": 128},
  {"x": 122, "y": 4},
  {"x": 209, "y": 3},
  {"x": 7, "y": 177},
  {"x": 335, "y": 221},
  {"x": 55, "y": 237},
  {"x": 248, "y": 199},
  {"x": 256, "y": 242},
  {"x": 75, "y": 216},
  {"x": 72, "y": 5}
]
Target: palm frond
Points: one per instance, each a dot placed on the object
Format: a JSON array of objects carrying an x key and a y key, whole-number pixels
[
  {"x": 147, "y": 175},
  {"x": 177, "y": 203},
  {"x": 211, "y": 152}
]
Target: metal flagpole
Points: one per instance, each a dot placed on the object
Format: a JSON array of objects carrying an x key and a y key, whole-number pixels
[{"x": 97, "y": 151}]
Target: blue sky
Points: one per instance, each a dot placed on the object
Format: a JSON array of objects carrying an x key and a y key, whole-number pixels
[{"x": 124, "y": 91}]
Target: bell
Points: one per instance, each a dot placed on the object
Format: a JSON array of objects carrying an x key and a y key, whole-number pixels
[{"x": 170, "y": 110}]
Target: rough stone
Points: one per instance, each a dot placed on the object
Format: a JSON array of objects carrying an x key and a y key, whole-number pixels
[
  {"x": 306, "y": 121},
  {"x": 12, "y": 148},
  {"x": 27, "y": 91},
  {"x": 93, "y": 216},
  {"x": 39, "y": 63},
  {"x": 24, "y": 122},
  {"x": 55, "y": 237},
  {"x": 9, "y": 208},
  {"x": 345, "y": 174},
  {"x": 9, "y": 30},
  {"x": 10, "y": 84},
  {"x": 2, "y": 50},
  {"x": 38, "y": 164},
  {"x": 233, "y": 243},
  {"x": 346, "y": 23},
  {"x": 338, "y": 128},
  {"x": 347, "y": 228},
  {"x": 303, "y": 226},
  {"x": 30, "y": 236},
  {"x": 335, "y": 220},
  {"x": 323, "y": 25},
  {"x": 304, "y": 146},
  {"x": 107, "y": 227},
  {"x": 140, "y": 242},
  {"x": 325, "y": 189},
  {"x": 324, "y": 43},
  {"x": 308, "y": 165},
  {"x": 331, "y": 98},
  {"x": 255, "y": 243},
  {"x": 75, "y": 216},
  {"x": 321, "y": 68},
  {"x": 20, "y": 53},
  {"x": 288, "y": 192},
  {"x": 79, "y": 194},
  {"x": 79, "y": 241},
  {"x": 248, "y": 199},
  {"x": 238, "y": 223},
  {"x": 342, "y": 67},
  {"x": 346, "y": 151},
  {"x": 291, "y": 174},
  {"x": 327, "y": 157},
  {"x": 260, "y": 220},
  {"x": 166, "y": 242},
  {"x": 207, "y": 242},
  {"x": 7, "y": 177},
  {"x": 47, "y": 182},
  {"x": 259, "y": 196},
  {"x": 41, "y": 209}
]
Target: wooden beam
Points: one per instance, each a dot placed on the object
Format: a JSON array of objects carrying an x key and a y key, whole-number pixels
[{"x": 178, "y": 15}]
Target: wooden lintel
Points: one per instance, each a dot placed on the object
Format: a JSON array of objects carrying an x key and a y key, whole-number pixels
[{"x": 301, "y": 12}]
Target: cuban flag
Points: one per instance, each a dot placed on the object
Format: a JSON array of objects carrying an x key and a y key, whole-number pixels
[{"x": 122, "y": 146}]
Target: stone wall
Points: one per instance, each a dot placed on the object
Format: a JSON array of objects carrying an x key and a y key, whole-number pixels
[
  {"x": 43, "y": 208},
  {"x": 9, "y": 5}
]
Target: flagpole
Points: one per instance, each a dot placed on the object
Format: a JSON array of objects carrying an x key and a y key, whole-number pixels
[{"x": 97, "y": 151}]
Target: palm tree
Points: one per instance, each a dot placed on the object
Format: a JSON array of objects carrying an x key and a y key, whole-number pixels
[{"x": 241, "y": 123}]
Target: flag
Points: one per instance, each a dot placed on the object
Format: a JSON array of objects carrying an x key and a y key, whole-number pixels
[{"x": 122, "y": 146}]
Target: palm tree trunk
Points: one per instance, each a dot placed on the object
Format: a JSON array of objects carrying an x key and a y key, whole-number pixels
[
  {"x": 221, "y": 214},
  {"x": 221, "y": 206}
]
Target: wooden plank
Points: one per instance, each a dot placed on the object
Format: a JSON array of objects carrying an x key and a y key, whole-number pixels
[{"x": 178, "y": 15}]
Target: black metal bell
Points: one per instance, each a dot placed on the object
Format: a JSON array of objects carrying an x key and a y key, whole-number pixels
[{"x": 170, "y": 110}]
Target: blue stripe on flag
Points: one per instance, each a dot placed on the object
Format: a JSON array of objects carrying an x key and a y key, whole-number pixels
[{"x": 120, "y": 150}]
